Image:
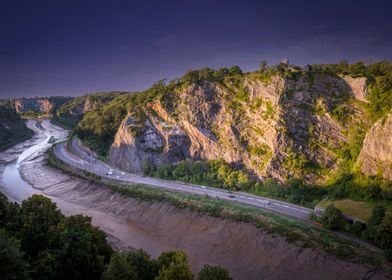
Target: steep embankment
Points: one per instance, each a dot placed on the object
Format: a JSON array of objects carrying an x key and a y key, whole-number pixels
[
  {"x": 12, "y": 128},
  {"x": 376, "y": 155}
]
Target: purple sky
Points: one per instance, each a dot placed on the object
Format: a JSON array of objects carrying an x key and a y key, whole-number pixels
[{"x": 73, "y": 47}]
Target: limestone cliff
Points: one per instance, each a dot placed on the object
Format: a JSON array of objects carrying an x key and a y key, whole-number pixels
[
  {"x": 272, "y": 127},
  {"x": 376, "y": 155}
]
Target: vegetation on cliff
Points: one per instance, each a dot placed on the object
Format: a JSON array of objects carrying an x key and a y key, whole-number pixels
[{"x": 69, "y": 114}]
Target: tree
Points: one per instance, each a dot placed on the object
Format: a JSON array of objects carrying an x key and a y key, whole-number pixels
[
  {"x": 213, "y": 273},
  {"x": 333, "y": 218},
  {"x": 174, "y": 266},
  {"x": 83, "y": 250},
  {"x": 384, "y": 233},
  {"x": 119, "y": 269},
  {"x": 39, "y": 217},
  {"x": 235, "y": 70},
  {"x": 142, "y": 264},
  {"x": 12, "y": 265},
  {"x": 378, "y": 214},
  {"x": 263, "y": 65},
  {"x": 358, "y": 69}
]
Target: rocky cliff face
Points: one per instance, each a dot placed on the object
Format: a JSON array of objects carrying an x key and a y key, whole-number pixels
[
  {"x": 39, "y": 105},
  {"x": 376, "y": 155},
  {"x": 272, "y": 128}
]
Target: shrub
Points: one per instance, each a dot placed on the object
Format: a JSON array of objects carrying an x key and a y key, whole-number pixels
[{"x": 333, "y": 218}]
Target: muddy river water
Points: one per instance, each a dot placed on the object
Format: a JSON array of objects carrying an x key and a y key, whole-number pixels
[{"x": 244, "y": 250}]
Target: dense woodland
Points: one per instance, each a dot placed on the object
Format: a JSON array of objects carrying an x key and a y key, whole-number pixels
[{"x": 38, "y": 242}]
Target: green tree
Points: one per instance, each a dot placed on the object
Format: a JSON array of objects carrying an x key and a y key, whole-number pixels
[
  {"x": 119, "y": 269},
  {"x": 358, "y": 69},
  {"x": 235, "y": 70},
  {"x": 378, "y": 214},
  {"x": 144, "y": 267},
  {"x": 39, "y": 217},
  {"x": 384, "y": 233},
  {"x": 333, "y": 218},
  {"x": 12, "y": 265},
  {"x": 174, "y": 266},
  {"x": 213, "y": 273},
  {"x": 83, "y": 250},
  {"x": 263, "y": 65}
]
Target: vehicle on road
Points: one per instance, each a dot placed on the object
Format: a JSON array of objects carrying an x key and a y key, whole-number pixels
[
  {"x": 263, "y": 201},
  {"x": 231, "y": 195},
  {"x": 204, "y": 187}
]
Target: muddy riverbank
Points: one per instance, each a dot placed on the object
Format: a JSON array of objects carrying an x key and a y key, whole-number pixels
[{"x": 247, "y": 252}]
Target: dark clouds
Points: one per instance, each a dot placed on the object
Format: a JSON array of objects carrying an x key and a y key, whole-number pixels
[{"x": 70, "y": 47}]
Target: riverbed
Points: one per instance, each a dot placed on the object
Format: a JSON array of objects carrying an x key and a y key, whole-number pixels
[{"x": 243, "y": 249}]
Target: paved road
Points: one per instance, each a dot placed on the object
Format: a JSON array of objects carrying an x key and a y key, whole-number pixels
[{"x": 80, "y": 158}]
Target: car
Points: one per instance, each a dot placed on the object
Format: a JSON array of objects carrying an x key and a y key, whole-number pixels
[
  {"x": 266, "y": 202},
  {"x": 122, "y": 173},
  {"x": 204, "y": 187},
  {"x": 231, "y": 196}
]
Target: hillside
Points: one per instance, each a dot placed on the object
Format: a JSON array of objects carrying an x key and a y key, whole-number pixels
[
  {"x": 70, "y": 113},
  {"x": 12, "y": 128},
  {"x": 282, "y": 122}
]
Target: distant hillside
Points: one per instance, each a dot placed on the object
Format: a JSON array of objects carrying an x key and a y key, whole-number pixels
[
  {"x": 39, "y": 105},
  {"x": 70, "y": 113}
]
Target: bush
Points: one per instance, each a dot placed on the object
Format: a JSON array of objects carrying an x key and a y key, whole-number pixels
[
  {"x": 333, "y": 218},
  {"x": 213, "y": 273}
]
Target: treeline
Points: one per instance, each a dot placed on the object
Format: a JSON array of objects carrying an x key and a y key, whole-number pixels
[
  {"x": 217, "y": 173},
  {"x": 38, "y": 242},
  {"x": 377, "y": 230}
]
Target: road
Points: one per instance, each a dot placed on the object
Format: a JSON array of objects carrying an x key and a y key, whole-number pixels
[{"x": 79, "y": 158}]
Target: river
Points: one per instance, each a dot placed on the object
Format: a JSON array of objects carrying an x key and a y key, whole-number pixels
[{"x": 11, "y": 182}]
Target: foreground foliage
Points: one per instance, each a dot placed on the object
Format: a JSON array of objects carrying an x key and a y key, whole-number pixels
[{"x": 38, "y": 242}]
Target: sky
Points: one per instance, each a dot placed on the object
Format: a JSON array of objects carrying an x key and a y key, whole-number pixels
[{"x": 74, "y": 47}]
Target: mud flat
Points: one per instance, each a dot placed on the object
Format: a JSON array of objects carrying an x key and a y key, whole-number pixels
[{"x": 242, "y": 248}]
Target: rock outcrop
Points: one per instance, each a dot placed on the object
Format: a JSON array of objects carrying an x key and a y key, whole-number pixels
[
  {"x": 277, "y": 128},
  {"x": 358, "y": 87},
  {"x": 376, "y": 155}
]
